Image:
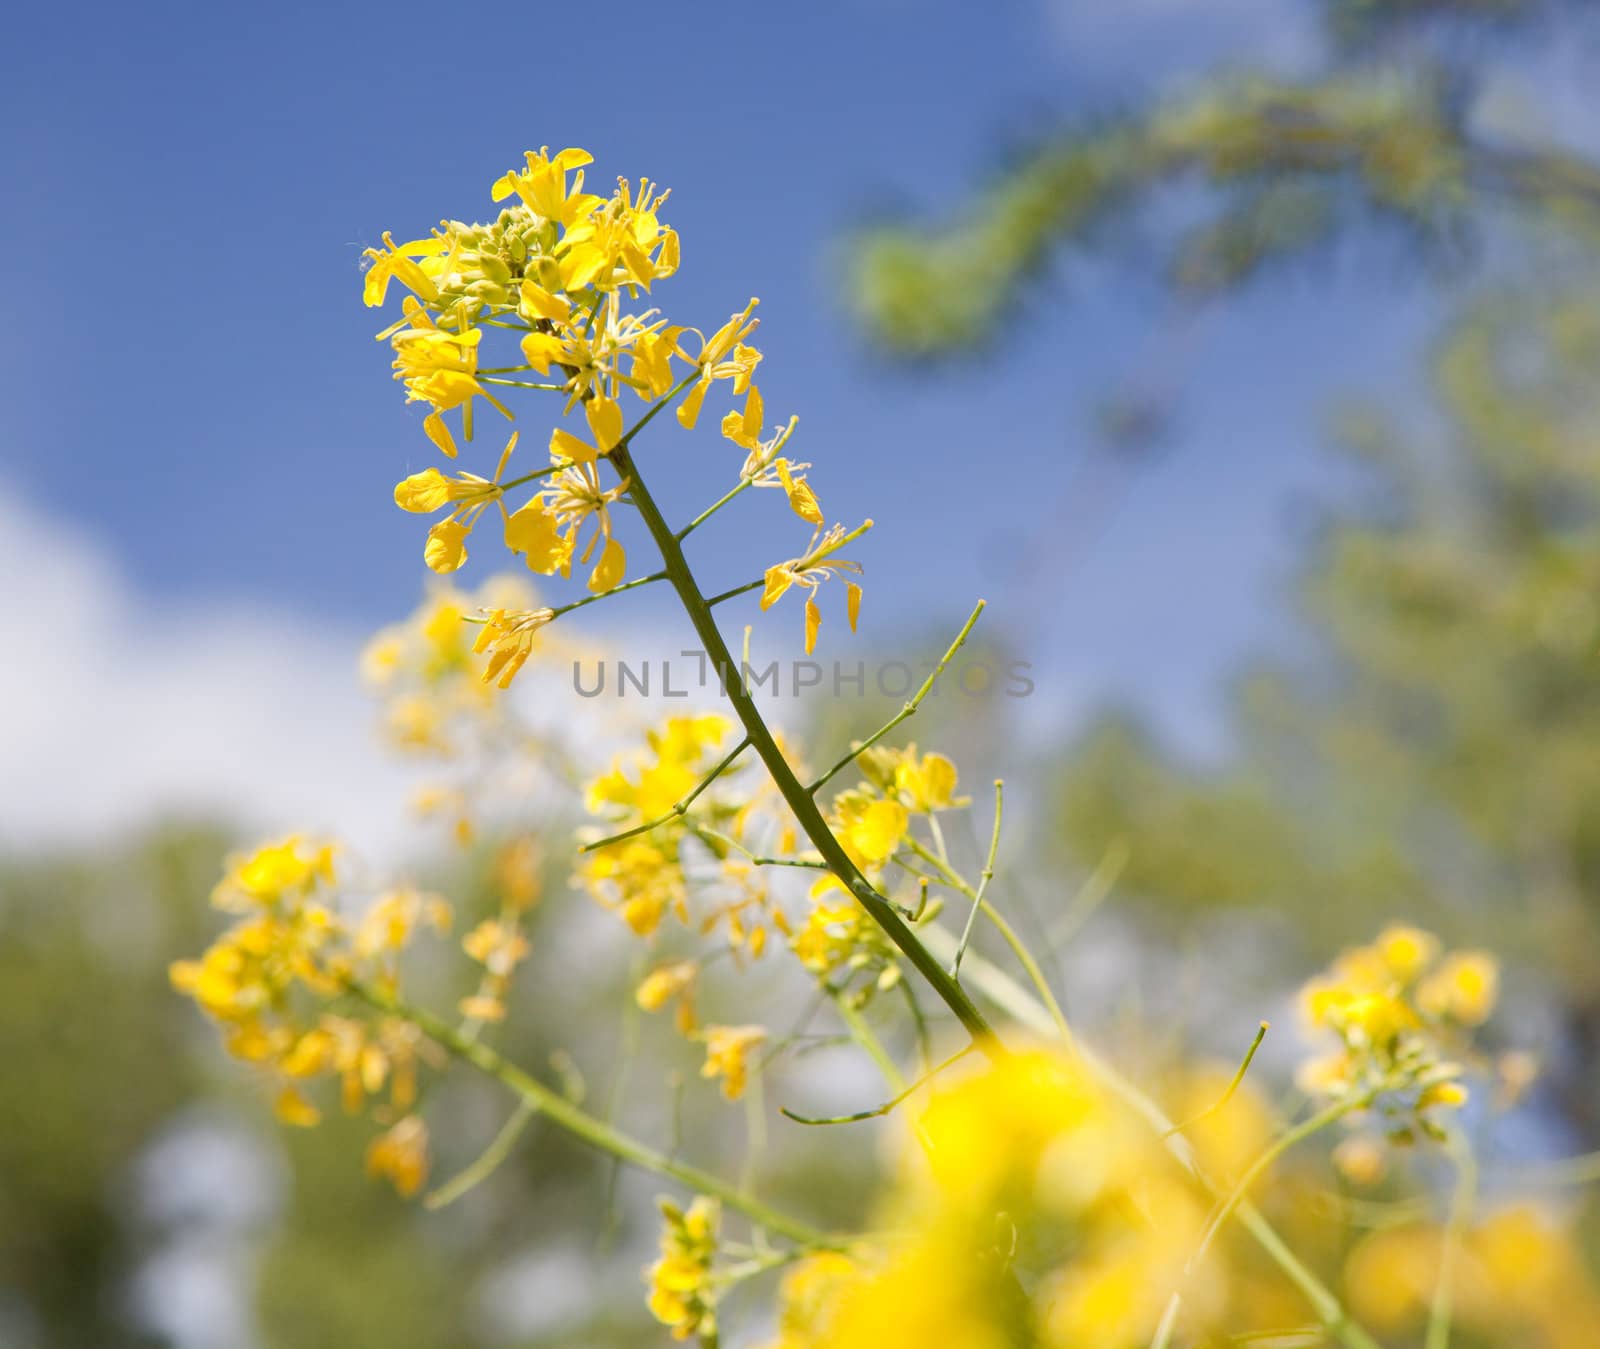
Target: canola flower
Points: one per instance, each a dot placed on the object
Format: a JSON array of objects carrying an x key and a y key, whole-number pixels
[
  {"x": 1401, "y": 1015},
  {"x": 1035, "y": 1195}
]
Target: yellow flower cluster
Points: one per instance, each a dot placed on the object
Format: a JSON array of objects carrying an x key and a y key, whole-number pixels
[
  {"x": 268, "y": 978},
  {"x": 642, "y": 876},
  {"x": 682, "y": 1283},
  {"x": 728, "y": 1052},
  {"x": 426, "y": 670},
  {"x": 1031, "y": 1213},
  {"x": 872, "y": 820},
  {"x": 1400, "y": 1012},
  {"x": 552, "y": 270},
  {"x": 1520, "y": 1278}
]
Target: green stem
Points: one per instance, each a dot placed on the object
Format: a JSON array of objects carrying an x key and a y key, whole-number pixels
[
  {"x": 984, "y": 877},
  {"x": 908, "y": 710},
  {"x": 596, "y": 1133},
  {"x": 794, "y": 793},
  {"x": 708, "y": 835},
  {"x": 531, "y": 477},
  {"x": 1461, "y": 1203},
  {"x": 493, "y": 1155},
  {"x": 679, "y": 808},
  {"x": 1233, "y": 1086},
  {"x": 745, "y": 589},
  {"x": 864, "y": 1036},
  {"x": 607, "y": 594},
  {"x": 878, "y": 1112},
  {"x": 714, "y": 507},
  {"x": 1286, "y": 1140},
  {"x": 1019, "y": 948}
]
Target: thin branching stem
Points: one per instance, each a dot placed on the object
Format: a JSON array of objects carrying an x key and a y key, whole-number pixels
[
  {"x": 1233, "y": 1086},
  {"x": 679, "y": 809},
  {"x": 556, "y": 1108},
  {"x": 711, "y": 836},
  {"x": 877, "y": 1112},
  {"x": 1462, "y": 1200},
  {"x": 984, "y": 877},
  {"x": 908, "y": 710},
  {"x": 782, "y": 773},
  {"x": 1313, "y": 1124},
  {"x": 607, "y": 594},
  {"x": 731, "y": 494},
  {"x": 1019, "y": 948},
  {"x": 487, "y": 1163}
]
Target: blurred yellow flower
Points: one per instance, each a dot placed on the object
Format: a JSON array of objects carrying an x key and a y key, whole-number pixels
[{"x": 728, "y": 1051}]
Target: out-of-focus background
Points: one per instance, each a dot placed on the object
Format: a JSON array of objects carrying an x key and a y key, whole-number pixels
[{"x": 1242, "y": 355}]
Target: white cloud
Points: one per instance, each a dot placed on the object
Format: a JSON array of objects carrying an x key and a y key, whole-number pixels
[{"x": 117, "y": 709}]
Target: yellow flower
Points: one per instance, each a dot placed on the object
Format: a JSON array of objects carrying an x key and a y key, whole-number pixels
[
  {"x": 1407, "y": 951},
  {"x": 440, "y": 367},
  {"x": 622, "y": 243},
  {"x": 744, "y": 428},
  {"x": 398, "y": 261},
  {"x": 809, "y": 1299},
  {"x": 651, "y": 370},
  {"x": 546, "y": 529},
  {"x": 1464, "y": 988},
  {"x": 664, "y": 983},
  {"x": 723, "y": 355},
  {"x": 389, "y": 921},
  {"x": 274, "y": 874},
  {"x": 682, "y": 1288},
  {"x": 544, "y": 188},
  {"x": 809, "y": 571},
  {"x": 1397, "y": 1023},
  {"x": 672, "y": 982},
  {"x": 728, "y": 1051},
  {"x": 929, "y": 782},
  {"x": 496, "y": 945},
  {"x": 605, "y": 423},
  {"x": 509, "y": 635},
  {"x": 428, "y": 491},
  {"x": 836, "y": 933},
  {"x": 401, "y": 1155},
  {"x": 872, "y": 829}
]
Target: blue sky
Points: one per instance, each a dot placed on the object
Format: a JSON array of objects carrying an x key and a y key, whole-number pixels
[{"x": 193, "y": 385}]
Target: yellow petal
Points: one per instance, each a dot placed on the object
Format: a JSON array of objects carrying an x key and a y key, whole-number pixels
[
  {"x": 605, "y": 420},
  {"x": 610, "y": 569},
  {"x": 565, "y": 445},
  {"x": 446, "y": 548},
  {"x": 876, "y": 832},
  {"x": 293, "y": 1108},
  {"x": 813, "y": 622},
  {"x": 537, "y": 302},
  {"x": 852, "y": 601},
  {"x": 423, "y": 492},
  {"x": 802, "y": 500},
  {"x": 689, "y": 409},
  {"x": 540, "y": 349},
  {"x": 779, "y": 579},
  {"x": 534, "y": 530},
  {"x": 439, "y": 434}
]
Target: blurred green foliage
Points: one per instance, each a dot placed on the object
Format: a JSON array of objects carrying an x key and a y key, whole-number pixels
[
  {"x": 1438, "y": 758},
  {"x": 114, "y": 1087},
  {"x": 1281, "y": 166}
]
